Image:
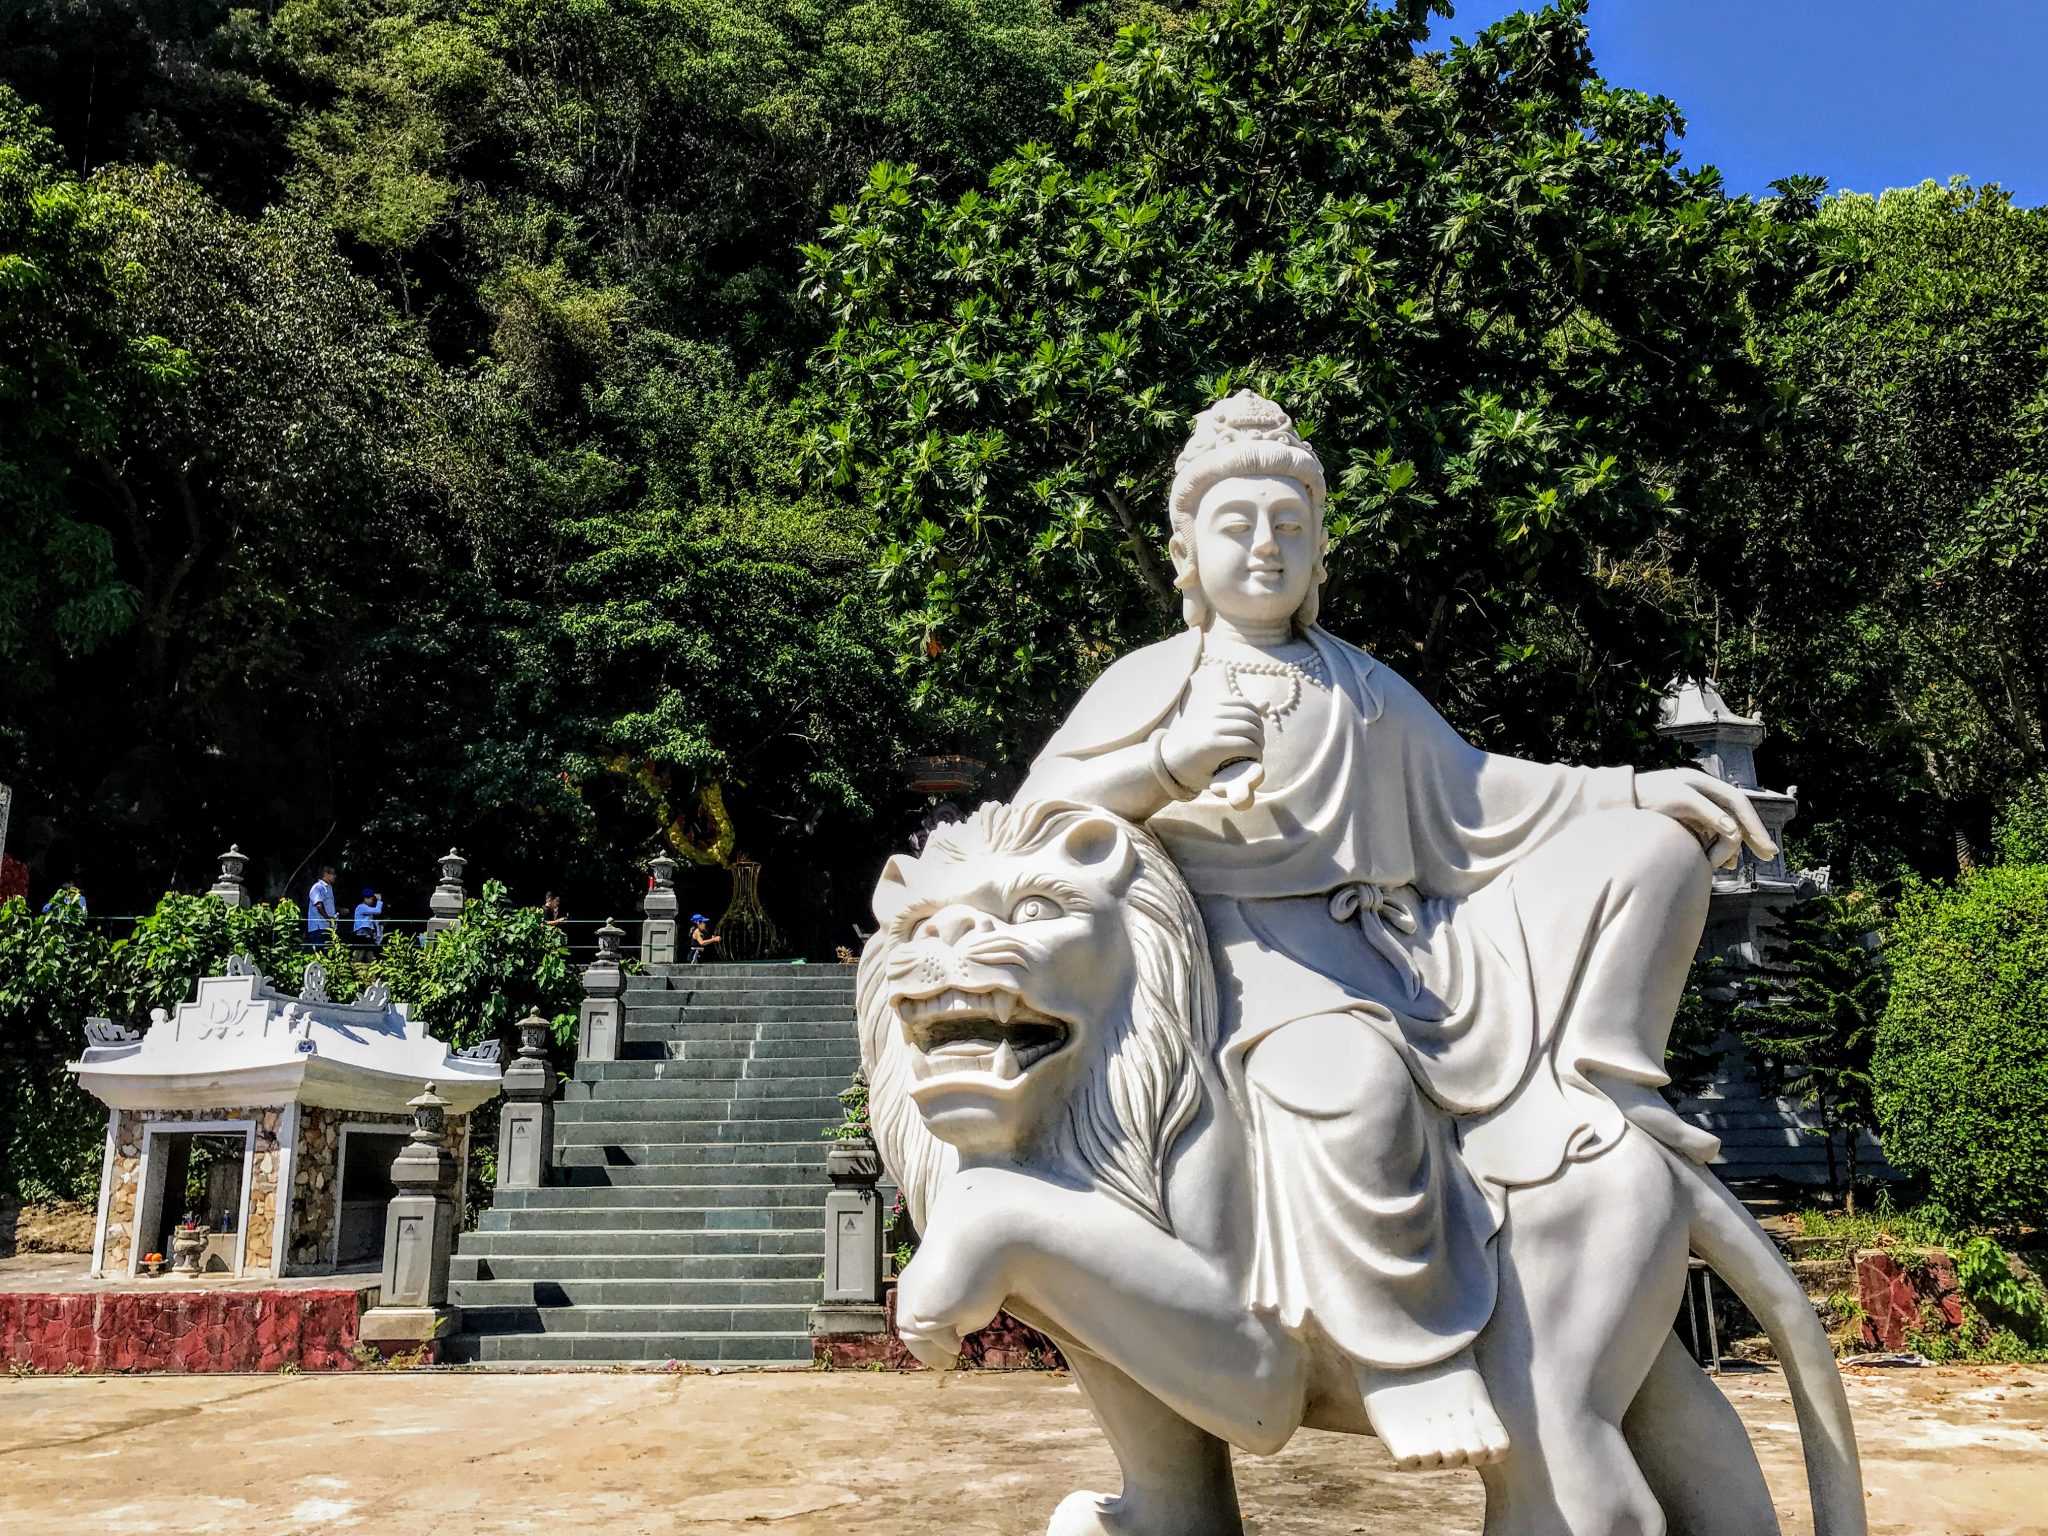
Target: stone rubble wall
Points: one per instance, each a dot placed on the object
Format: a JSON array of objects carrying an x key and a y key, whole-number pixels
[
  {"x": 316, "y": 1178},
  {"x": 126, "y": 1192}
]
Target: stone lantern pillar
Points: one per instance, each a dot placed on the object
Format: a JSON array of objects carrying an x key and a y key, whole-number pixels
[
  {"x": 231, "y": 888},
  {"x": 601, "y": 1021},
  {"x": 447, "y": 901},
  {"x": 853, "y": 1243},
  {"x": 526, "y": 1124},
  {"x": 661, "y": 907},
  {"x": 419, "y": 1236}
]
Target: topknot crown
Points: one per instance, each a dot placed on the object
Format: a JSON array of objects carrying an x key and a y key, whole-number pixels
[{"x": 1246, "y": 416}]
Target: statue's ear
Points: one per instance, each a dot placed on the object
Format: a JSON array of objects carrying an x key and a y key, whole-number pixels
[
  {"x": 892, "y": 891},
  {"x": 1101, "y": 845}
]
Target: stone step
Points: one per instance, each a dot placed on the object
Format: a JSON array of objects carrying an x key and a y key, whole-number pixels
[
  {"x": 796, "y": 1292},
  {"x": 609, "y": 1215},
  {"x": 551, "y": 1248},
  {"x": 841, "y": 1052},
  {"x": 746, "y": 1090},
  {"x": 631, "y": 1348},
  {"x": 809, "y": 1176},
  {"x": 659, "y": 1192},
  {"x": 753, "y": 972},
  {"x": 586, "y": 1317},
  {"x": 664, "y": 1269},
  {"x": 740, "y": 1066},
  {"x": 730, "y": 1156},
  {"x": 821, "y": 1108},
  {"x": 623, "y": 1133},
  {"x": 816, "y": 1032},
  {"x": 740, "y": 1013}
]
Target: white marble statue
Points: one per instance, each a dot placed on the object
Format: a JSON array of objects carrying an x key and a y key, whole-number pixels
[{"x": 1330, "y": 1096}]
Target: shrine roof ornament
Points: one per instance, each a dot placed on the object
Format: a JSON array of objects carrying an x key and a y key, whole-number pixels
[{"x": 241, "y": 1041}]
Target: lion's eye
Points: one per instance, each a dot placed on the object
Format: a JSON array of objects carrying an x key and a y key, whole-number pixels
[{"x": 1034, "y": 909}]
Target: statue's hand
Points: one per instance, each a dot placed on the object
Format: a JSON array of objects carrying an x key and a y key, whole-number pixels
[
  {"x": 1212, "y": 730},
  {"x": 1718, "y": 813}
]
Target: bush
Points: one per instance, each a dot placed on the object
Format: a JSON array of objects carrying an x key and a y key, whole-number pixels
[
  {"x": 2021, "y": 833},
  {"x": 474, "y": 982},
  {"x": 1961, "y": 1067}
]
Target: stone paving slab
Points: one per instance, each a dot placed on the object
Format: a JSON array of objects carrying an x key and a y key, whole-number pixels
[{"x": 1956, "y": 1452}]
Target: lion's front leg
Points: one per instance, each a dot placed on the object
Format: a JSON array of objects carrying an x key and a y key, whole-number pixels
[
  {"x": 957, "y": 1282},
  {"x": 1177, "y": 1478}
]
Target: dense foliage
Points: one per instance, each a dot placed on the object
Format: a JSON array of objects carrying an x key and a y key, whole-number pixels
[
  {"x": 473, "y": 982},
  {"x": 1813, "y": 1015},
  {"x": 1893, "y": 620},
  {"x": 565, "y": 428},
  {"x": 401, "y": 412},
  {"x": 1961, "y": 1065},
  {"x": 1513, "y": 325}
]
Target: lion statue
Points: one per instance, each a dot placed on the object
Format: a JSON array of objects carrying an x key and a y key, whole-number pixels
[{"x": 1038, "y": 1022}]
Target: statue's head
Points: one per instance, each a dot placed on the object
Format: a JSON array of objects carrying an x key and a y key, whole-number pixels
[
  {"x": 1247, "y": 513},
  {"x": 1037, "y": 989}
]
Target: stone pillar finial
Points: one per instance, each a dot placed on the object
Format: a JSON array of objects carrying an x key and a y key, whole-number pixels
[
  {"x": 231, "y": 888},
  {"x": 658, "y": 934},
  {"x": 449, "y": 897},
  {"x": 601, "y": 1019},
  {"x": 526, "y": 1123}
]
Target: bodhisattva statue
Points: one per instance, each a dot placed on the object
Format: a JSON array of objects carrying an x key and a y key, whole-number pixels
[{"x": 1292, "y": 1061}]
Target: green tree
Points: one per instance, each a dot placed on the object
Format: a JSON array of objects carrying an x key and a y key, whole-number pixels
[
  {"x": 1890, "y": 610},
  {"x": 1813, "y": 1013},
  {"x": 53, "y": 973},
  {"x": 1961, "y": 1067},
  {"x": 1508, "y": 318},
  {"x": 65, "y": 357}
]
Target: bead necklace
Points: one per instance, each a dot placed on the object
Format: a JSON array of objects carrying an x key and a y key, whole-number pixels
[{"x": 1289, "y": 672}]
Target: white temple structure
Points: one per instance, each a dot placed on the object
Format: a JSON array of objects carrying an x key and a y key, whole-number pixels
[{"x": 271, "y": 1119}]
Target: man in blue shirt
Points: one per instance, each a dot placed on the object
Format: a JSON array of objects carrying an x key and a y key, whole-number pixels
[
  {"x": 369, "y": 931},
  {"x": 320, "y": 910}
]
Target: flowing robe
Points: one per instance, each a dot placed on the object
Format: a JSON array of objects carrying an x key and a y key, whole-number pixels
[{"x": 1374, "y": 884}]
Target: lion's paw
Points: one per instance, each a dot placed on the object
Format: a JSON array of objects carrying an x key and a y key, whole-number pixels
[
  {"x": 1084, "y": 1514},
  {"x": 1100, "y": 1514}
]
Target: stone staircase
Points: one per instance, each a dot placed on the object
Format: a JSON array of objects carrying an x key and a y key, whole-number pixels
[{"x": 685, "y": 1220}]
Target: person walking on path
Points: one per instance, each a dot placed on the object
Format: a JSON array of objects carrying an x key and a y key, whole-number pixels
[
  {"x": 320, "y": 910},
  {"x": 369, "y": 932},
  {"x": 701, "y": 937}
]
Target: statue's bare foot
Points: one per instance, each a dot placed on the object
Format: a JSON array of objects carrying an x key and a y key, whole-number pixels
[
  {"x": 1101, "y": 1514},
  {"x": 1434, "y": 1416}
]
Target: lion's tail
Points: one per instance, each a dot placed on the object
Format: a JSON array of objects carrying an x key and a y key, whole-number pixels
[{"x": 1728, "y": 1238}]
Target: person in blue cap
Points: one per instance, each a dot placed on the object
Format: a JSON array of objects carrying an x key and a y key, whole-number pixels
[
  {"x": 369, "y": 931},
  {"x": 701, "y": 937}
]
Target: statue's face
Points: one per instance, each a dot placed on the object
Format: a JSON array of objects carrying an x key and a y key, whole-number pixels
[{"x": 1253, "y": 540}]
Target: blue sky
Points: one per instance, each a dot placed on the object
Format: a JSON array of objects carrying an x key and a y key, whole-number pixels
[{"x": 1868, "y": 93}]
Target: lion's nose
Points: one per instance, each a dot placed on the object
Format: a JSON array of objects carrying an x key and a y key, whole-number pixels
[{"x": 952, "y": 924}]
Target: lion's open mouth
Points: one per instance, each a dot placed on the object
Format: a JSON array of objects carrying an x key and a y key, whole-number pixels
[{"x": 961, "y": 1031}]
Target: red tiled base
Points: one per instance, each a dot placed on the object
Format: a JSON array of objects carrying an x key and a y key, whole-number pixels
[
  {"x": 1004, "y": 1345},
  {"x": 196, "y": 1332}
]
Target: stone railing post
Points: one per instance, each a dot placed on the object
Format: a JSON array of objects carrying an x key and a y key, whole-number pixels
[
  {"x": 419, "y": 1237},
  {"x": 231, "y": 887},
  {"x": 526, "y": 1123},
  {"x": 853, "y": 1243},
  {"x": 601, "y": 1020},
  {"x": 447, "y": 901},
  {"x": 661, "y": 907}
]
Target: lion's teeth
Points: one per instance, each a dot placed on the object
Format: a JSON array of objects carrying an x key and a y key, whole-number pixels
[
  {"x": 1004, "y": 1004},
  {"x": 1005, "y": 1064}
]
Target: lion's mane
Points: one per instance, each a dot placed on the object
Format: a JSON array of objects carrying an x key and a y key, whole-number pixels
[{"x": 1143, "y": 1089}]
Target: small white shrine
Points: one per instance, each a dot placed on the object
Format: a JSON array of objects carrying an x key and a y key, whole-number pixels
[{"x": 267, "y": 1122}]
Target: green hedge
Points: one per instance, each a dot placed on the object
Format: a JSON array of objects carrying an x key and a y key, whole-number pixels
[
  {"x": 1962, "y": 1056},
  {"x": 474, "y": 982}
]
